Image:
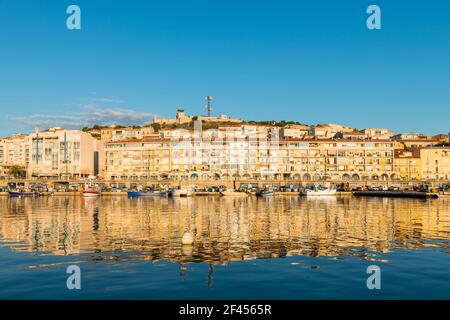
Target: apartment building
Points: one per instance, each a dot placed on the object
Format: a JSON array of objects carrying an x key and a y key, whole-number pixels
[
  {"x": 408, "y": 164},
  {"x": 328, "y": 131},
  {"x": 435, "y": 162},
  {"x": 125, "y": 133},
  {"x": 377, "y": 133},
  {"x": 337, "y": 159},
  {"x": 225, "y": 154},
  {"x": 412, "y": 136},
  {"x": 14, "y": 151},
  {"x": 137, "y": 159},
  {"x": 58, "y": 153}
]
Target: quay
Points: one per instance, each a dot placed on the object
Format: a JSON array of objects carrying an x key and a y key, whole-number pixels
[{"x": 397, "y": 194}]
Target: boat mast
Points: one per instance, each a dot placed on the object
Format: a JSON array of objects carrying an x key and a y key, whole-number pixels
[{"x": 65, "y": 155}]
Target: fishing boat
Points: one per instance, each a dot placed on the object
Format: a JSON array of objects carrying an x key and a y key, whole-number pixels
[
  {"x": 319, "y": 191},
  {"x": 91, "y": 191},
  {"x": 265, "y": 193},
  {"x": 151, "y": 193},
  {"x": 233, "y": 193},
  {"x": 23, "y": 194}
]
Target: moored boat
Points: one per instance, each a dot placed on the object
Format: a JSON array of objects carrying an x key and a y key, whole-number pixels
[
  {"x": 91, "y": 191},
  {"x": 23, "y": 194},
  {"x": 265, "y": 193},
  {"x": 154, "y": 193},
  {"x": 319, "y": 191},
  {"x": 233, "y": 193},
  {"x": 181, "y": 192}
]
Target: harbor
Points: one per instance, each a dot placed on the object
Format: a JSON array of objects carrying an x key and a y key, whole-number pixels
[
  {"x": 412, "y": 189},
  {"x": 223, "y": 247}
]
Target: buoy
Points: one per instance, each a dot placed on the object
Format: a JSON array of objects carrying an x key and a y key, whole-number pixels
[{"x": 187, "y": 239}]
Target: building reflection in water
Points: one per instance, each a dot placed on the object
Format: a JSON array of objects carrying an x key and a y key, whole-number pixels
[{"x": 224, "y": 229}]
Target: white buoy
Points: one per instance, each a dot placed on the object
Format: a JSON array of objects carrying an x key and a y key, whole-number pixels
[{"x": 187, "y": 239}]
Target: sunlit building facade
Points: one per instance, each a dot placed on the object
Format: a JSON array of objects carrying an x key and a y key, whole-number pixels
[
  {"x": 435, "y": 163},
  {"x": 57, "y": 153},
  {"x": 245, "y": 154},
  {"x": 408, "y": 165}
]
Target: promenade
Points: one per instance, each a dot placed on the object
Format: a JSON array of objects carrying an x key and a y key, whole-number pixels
[{"x": 229, "y": 183}]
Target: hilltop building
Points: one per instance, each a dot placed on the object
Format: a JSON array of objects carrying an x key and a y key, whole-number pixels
[
  {"x": 377, "y": 133},
  {"x": 117, "y": 133},
  {"x": 181, "y": 117},
  {"x": 328, "y": 131}
]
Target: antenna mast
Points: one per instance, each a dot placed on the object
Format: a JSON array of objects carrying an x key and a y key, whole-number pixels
[{"x": 208, "y": 105}]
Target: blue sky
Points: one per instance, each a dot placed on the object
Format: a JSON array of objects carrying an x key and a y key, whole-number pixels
[{"x": 309, "y": 61}]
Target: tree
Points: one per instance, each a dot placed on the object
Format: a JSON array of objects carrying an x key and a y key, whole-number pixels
[
  {"x": 156, "y": 127},
  {"x": 16, "y": 171}
]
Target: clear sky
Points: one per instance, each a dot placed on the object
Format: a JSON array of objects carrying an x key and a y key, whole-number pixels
[{"x": 311, "y": 61}]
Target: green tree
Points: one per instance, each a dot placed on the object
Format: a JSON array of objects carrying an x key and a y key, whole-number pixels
[{"x": 16, "y": 171}]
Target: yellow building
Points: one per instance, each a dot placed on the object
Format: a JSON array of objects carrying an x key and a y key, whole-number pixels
[
  {"x": 137, "y": 159},
  {"x": 435, "y": 163},
  {"x": 408, "y": 165},
  {"x": 249, "y": 154}
]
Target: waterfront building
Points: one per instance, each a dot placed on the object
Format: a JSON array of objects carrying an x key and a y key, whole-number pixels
[
  {"x": 408, "y": 164},
  {"x": 338, "y": 159},
  {"x": 14, "y": 152},
  {"x": 137, "y": 159},
  {"x": 435, "y": 163},
  {"x": 60, "y": 153},
  {"x": 258, "y": 154}
]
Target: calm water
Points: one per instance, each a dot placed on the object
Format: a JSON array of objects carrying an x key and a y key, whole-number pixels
[{"x": 274, "y": 248}]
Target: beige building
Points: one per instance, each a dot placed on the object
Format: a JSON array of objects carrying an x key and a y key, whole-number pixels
[
  {"x": 229, "y": 154},
  {"x": 115, "y": 133},
  {"x": 417, "y": 143},
  {"x": 412, "y": 136},
  {"x": 181, "y": 117},
  {"x": 14, "y": 151},
  {"x": 377, "y": 133},
  {"x": 408, "y": 164},
  {"x": 435, "y": 163},
  {"x": 328, "y": 131},
  {"x": 295, "y": 131},
  {"x": 60, "y": 153}
]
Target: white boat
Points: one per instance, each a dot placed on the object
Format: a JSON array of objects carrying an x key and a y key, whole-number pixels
[
  {"x": 182, "y": 192},
  {"x": 91, "y": 191},
  {"x": 319, "y": 191},
  {"x": 233, "y": 193}
]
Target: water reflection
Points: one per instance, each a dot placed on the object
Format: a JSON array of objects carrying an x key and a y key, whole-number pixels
[{"x": 224, "y": 229}]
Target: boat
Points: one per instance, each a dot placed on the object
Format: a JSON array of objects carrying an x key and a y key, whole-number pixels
[
  {"x": 319, "y": 191},
  {"x": 23, "y": 194},
  {"x": 153, "y": 193},
  {"x": 397, "y": 194},
  {"x": 265, "y": 193},
  {"x": 91, "y": 191},
  {"x": 181, "y": 192},
  {"x": 233, "y": 193}
]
